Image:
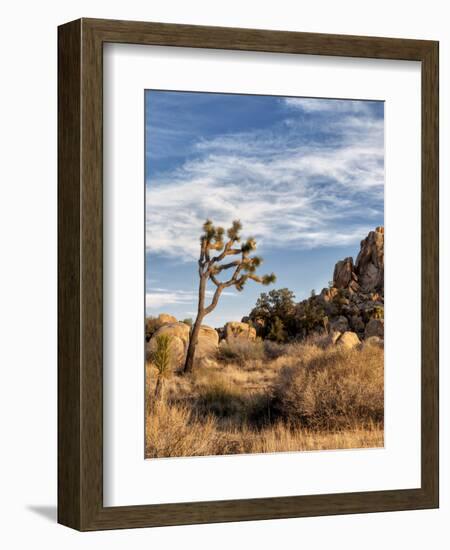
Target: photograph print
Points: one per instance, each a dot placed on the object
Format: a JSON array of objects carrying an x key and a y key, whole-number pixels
[{"x": 264, "y": 274}]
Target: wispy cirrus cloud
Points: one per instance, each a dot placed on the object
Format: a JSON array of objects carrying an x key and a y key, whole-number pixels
[
  {"x": 303, "y": 184},
  {"x": 325, "y": 106},
  {"x": 158, "y": 298}
]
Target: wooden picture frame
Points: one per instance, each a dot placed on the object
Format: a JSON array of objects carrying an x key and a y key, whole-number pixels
[{"x": 80, "y": 272}]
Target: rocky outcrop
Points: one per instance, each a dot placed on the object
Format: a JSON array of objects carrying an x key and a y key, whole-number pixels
[
  {"x": 375, "y": 327},
  {"x": 242, "y": 331},
  {"x": 344, "y": 275},
  {"x": 354, "y": 302},
  {"x": 369, "y": 265},
  {"x": 367, "y": 274},
  {"x": 340, "y": 324}
]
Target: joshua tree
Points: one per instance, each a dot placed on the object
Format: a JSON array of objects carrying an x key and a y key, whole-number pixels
[{"x": 210, "y": 267}]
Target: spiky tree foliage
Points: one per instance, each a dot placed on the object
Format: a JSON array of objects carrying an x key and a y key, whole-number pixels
[{"x": 215, "y": 250}]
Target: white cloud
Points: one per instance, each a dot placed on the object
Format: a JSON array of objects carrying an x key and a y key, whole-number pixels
[
  {"x": 157, "y": 298},
  {"x": 321, "y": 105},
  {"x": 287, "y": 193},
  {"x": 160, "y": 298}
]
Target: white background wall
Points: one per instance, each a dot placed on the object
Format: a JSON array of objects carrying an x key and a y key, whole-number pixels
[{"x": 28, "y": 272}]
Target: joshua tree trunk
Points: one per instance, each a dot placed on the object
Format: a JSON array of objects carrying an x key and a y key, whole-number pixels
[
  {"x": 193, "y": 340},
  {"x": 209, "y": 268}
]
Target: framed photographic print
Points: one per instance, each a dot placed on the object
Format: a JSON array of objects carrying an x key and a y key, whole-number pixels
[{"x": 248, "y": 274}]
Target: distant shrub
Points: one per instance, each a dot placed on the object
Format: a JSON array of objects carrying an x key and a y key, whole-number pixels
[
  {"x": 332, "y": 390},
  {"x": 188, "y": 321},
  {"x": 273, "y": 350},
  {"x": 378, "y": 312},
  {"x": 309, "y": 317},
  {"x": 277, "y": 332},
  {"x": 240, "y": 351},
  {"x": 278, "y": 303},
  {"x": 152, "y": 324}
]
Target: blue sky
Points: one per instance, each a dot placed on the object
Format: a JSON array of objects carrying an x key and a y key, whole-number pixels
[{"x": 305, "y": 176}]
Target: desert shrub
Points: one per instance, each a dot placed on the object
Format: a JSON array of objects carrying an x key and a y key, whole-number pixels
[
  {"x": 309, "y": 317},
  {"x": 378, "y": 312},
  {"x": 188, "y": 321},
  {"x": 334, "y": 389},
  {"x": 273, "y": 350},
  {"x": 236, "y": 350},
  {"x": 221, "y": 399}
]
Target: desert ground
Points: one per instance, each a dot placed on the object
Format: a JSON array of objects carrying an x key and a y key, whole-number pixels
[{"x": 258, "y": 397}]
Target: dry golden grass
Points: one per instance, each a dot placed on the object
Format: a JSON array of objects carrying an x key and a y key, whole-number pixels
[
  {"x": 332, "y": 389},
  {"x": 300, "y": 397}
]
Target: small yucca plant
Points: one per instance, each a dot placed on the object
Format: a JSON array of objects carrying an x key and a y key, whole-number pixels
[{"x": 161, "y": 359}]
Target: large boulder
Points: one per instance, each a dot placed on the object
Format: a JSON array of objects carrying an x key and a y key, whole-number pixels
[
  {"x": 357, "y": 323},
  {"x": 343, "y": 271},
  {"x": 165, "y": 318},
  {"x": 348, "y": 340},
  {"x": 242, "y": 331},
  {"x": 332, "y": 338},
  {"x": 374, "y": 341},
  {"x": 179, "y": 332},
  {"x": 328, "y": 294},
  {"x": 367, "y": 273},
  {"x": 375, "y": 327},
  {"x": 369, "y": 265},
  {"x": 339, "y": 324},
  {"x": 208, "y": 342}
]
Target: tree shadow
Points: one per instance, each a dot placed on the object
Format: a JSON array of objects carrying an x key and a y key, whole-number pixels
[{"x": 47, "y": 512}]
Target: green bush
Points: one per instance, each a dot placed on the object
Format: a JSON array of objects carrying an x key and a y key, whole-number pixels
[{"x": 277, "y": 332}]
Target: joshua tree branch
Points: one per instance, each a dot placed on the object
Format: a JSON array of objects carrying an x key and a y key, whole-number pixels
[
  {"x": 218, "y": 269},
  {"x": 215, "y": 300}
]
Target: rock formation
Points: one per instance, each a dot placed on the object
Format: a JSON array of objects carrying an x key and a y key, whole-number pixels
[
  {"x": 344, "y": 275},
  {"x": 164, "y": 318},
  {"x": 375, "y": 327},
  {"x": 179, "y": 332},
  {"x": 354, "y": 303},
  {"x": 369, "y": 265},
  {"x": 348, "y": 340},
  {"x": 367, "y": 274},
  {"x": 208, "y": 341},
  {"x": 242, "y": 331}
]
